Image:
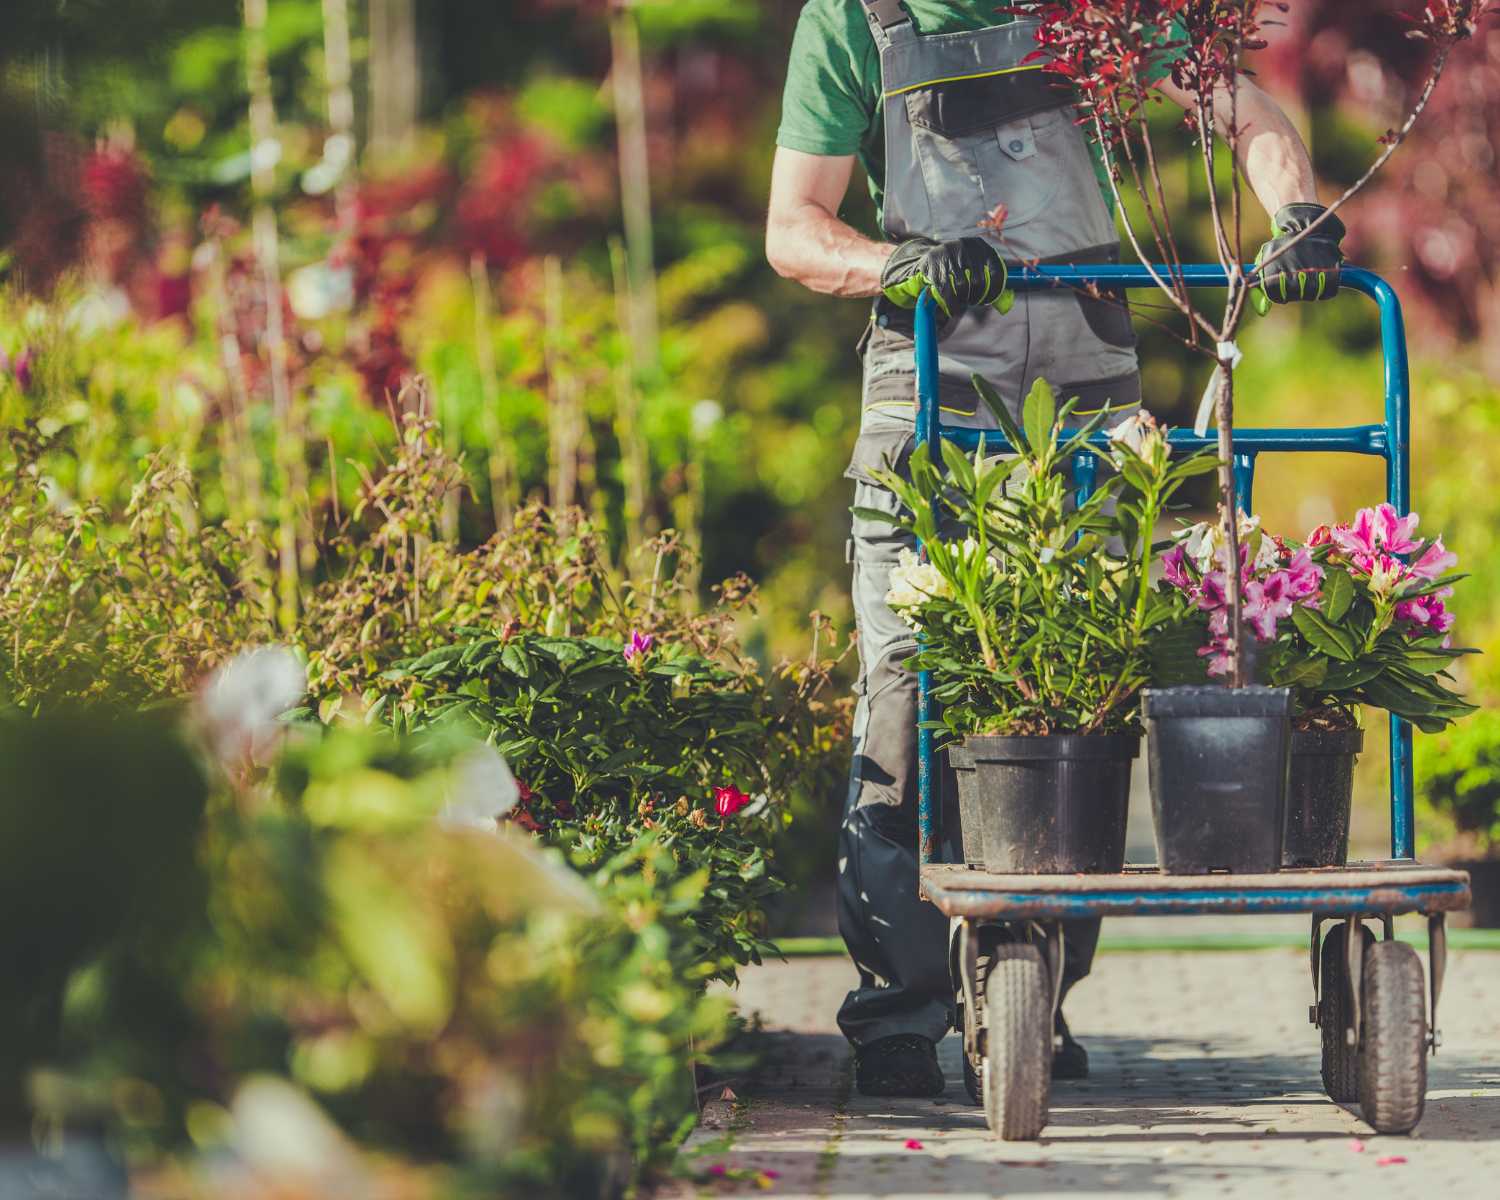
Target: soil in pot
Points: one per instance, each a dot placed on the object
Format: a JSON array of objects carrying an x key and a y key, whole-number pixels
[
  {"x": 1320, "y": 790},
  {"x": 1044, "y": 805},
  {"x": 1218, "y": 760}
]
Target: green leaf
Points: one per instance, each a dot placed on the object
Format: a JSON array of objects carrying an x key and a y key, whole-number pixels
[
  {"x": 1040, "y": 415},
  {"x": 1322, "y": 634},
  {"x": 958, "y": 465},
  {"x": 1343, "y": 676},
  {"x": 1338, "y": 593},
  {"x": 1001, "y": 413},
  {"x": 1307, "y": 672}
]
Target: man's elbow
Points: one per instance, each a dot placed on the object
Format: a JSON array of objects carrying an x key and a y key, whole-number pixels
[{"x": 781, "y": 249}]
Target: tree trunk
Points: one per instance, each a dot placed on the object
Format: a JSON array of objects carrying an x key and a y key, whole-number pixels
[
  {"x": 635, "y": 181},
  {"x": 1229, "y": 514},
  {"x": 395, "y": 75}
]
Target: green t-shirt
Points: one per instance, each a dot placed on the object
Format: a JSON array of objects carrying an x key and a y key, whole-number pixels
[{"x": 832, "y": 101}]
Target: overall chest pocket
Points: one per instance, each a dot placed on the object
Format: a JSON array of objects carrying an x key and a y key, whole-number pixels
[{"x": 983, "y": 141}]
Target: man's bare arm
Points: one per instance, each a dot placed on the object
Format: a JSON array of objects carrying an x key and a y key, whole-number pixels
[
  {"x": 1272, "y": 153},
  {"x": 806, "y": 241}
]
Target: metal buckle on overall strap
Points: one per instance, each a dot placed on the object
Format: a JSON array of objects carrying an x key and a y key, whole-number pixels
[{"x": 885, "y": 14}]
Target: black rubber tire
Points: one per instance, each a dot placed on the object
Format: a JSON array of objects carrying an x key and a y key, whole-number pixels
[
  {"x": 1393, "y": 1050},
  {"x": 1335, "y": 1005},
  {"x": 989, "y": 937},
  {"x": 1017, "y": 1073},
  {"x": 973, "y": 1083}
]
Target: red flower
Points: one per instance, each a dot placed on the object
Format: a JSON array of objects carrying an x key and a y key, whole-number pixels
[{"x": 729, "y": 800}]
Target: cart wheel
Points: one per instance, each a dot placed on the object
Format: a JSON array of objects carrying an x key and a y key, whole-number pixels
[
  {"x": 973, "y": 1082},
  {"x": 974, "y": 1064},
  {"x": 1393, "y": 1057},
  {"x": 1340, "y": 1060},
  {"x": 1018, "y": 1052}
]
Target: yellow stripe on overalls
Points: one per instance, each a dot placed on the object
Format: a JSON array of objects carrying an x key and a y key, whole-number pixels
[{"x": 960, "y": 78}]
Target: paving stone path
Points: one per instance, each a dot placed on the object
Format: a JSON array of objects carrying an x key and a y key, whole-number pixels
[{"x": 1205, "y": 1083}]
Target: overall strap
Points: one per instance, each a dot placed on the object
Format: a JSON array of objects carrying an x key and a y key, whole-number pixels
[{"x": 886, "y": 17}]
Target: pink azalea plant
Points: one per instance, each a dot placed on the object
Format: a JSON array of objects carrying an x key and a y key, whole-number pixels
[
  {"x": 639, "y": 646},
  {"x": 1355, "y": 615}
]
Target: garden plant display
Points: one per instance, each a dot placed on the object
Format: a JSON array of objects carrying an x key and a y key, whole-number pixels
[
  {"x": 1111, "y": 53},
  {"x": 1354, "y": 616},
  {"x": 1038, "y": 616}
]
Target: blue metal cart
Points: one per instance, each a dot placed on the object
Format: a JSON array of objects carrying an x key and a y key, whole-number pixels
[{"x": 1377, "y": 1015}]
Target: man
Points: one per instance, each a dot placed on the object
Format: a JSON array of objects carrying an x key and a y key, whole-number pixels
[{"x": 939, "y": 103}]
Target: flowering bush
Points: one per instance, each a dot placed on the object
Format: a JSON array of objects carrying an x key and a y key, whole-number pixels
[
  {"x": 1036, "y": 614},
  {"x": 1274, "y": 580},
  {"x": 1354, "y": 616},
  {"x": 613, "y": 744},
  {"x": 1112, "y": 53}
]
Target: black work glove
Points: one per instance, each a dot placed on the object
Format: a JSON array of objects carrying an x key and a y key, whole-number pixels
[
  {"x": 1307, "y": 271},
  {"x": 962, "y": 273}
]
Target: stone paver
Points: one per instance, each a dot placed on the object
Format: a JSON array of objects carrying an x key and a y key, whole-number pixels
[{"x": 1205, "y": 1083}]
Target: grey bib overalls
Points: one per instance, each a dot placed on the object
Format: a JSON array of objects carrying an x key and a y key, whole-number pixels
[{"x": 969, "y": 124}]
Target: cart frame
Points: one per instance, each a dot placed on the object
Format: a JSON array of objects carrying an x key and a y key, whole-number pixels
[{"x": 1016, "y": 920}]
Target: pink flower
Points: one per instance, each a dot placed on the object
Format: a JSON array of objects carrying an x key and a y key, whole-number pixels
[
  {"x": 913, "y": 1144},
  {"x": 1394, "y": 531},
  {"x": 718, "y": 1169},
  {"x": 1321, "y": 536},
  {"x": 1266, "y": 602},
  {"x": 639, "y": 646},
  {"x": 1379, "y": 528},
  {"x": 729, "y": 800},
  {"x": 1172, "y": 568},
  {"x": 1303, "y": 576},
  {"x": 1358, "y": 538},
  {"x": 1213, "y": 592},
  {"x": 1416, "y": 612},
  {"x": 1434, "y": 560},
  {"x": 1220, "y": 660}
]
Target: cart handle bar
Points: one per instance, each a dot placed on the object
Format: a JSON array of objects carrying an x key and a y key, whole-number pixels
[{"x": 1390, "y": 440}]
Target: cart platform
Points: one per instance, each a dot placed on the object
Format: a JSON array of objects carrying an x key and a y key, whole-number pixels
[{"x": 1360, "y": 889}]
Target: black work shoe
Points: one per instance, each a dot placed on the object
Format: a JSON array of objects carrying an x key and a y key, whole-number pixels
[
  {"x": 904, "y": 1064},
  {"x": 1069, "y": 1059}
]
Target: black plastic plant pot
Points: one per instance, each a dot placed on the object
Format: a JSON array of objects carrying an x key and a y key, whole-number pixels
[
  {"x": 1320, "y": 792},
  {"x": 1044, "y": 805},
  {"x": 1218, "y": 760}
]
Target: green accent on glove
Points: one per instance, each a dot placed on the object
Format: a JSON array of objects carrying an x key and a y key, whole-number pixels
[
  {"x": 1315, "y": 255},
  {"x": 959, "y": 273}
]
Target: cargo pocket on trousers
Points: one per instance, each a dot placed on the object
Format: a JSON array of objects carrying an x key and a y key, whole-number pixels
[{"x": 1108, "y": 317}]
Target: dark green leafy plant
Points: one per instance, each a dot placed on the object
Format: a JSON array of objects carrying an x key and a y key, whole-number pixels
[
  {"x": 1030, "y": 622},
  {"x": 1458, "y": 775},
  {"x": 613, "y": 742}
]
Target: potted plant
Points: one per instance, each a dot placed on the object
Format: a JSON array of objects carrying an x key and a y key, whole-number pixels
[
  {"x": 1218, "y": 755},
  {"x": 1035, "y": 614},
  {"x": 1353, "y": 616},
  {"x": 1458, "y": 775}
]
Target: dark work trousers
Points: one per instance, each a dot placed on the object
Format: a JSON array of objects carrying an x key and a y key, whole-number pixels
[{"x": 899, "y": 942}]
